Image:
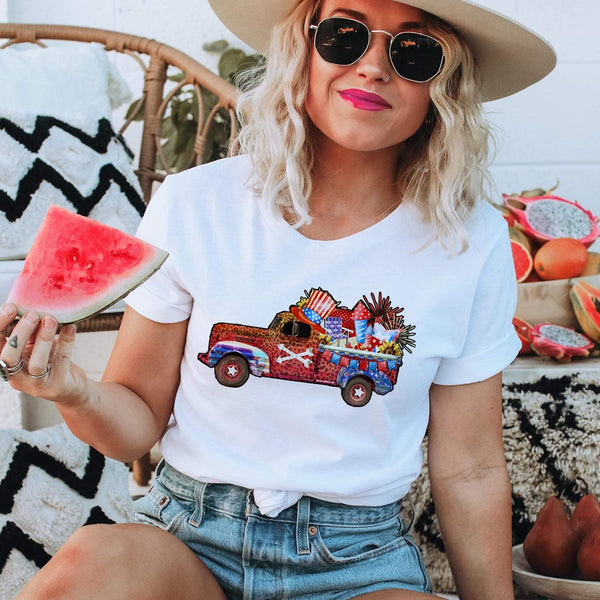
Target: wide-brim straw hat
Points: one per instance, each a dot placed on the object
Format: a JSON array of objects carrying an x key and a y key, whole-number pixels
[{"x": 510, "y": 56}]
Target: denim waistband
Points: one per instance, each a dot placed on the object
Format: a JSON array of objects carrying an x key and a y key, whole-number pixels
[{"x": 238, "y": 501}]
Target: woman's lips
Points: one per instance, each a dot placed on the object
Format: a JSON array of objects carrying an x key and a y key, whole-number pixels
[{"x": 364, "y": 100}]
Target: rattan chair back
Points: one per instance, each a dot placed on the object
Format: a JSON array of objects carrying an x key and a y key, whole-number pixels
[{"x": 155, "y": 59}]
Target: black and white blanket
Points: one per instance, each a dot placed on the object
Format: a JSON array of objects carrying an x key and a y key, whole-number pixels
[
  {"x": 552, "y": 443},
  {"x": 51, "y": 484}
]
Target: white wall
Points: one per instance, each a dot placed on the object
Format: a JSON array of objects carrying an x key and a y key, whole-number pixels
[{"x": 550, "y": 131}]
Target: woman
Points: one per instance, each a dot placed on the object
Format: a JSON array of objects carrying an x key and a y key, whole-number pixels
[{"x": 359, "y": 178}]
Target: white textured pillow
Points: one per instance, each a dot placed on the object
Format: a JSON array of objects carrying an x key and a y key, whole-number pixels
[
  {"x": 57, "y": 145},
  {"x": 51, "y": 484}
]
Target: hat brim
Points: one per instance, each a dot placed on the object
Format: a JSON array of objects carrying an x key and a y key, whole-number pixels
[{"x": 510, "y": 56}]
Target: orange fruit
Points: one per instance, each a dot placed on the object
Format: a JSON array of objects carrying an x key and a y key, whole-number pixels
[
  {"x": 560, "y": 258},
  {"x": 521, "y": 259}
]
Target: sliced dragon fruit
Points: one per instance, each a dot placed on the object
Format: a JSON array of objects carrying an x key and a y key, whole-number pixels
[
  {"x": 559, "y": 342},
  {"x": 549, "y": 217}
]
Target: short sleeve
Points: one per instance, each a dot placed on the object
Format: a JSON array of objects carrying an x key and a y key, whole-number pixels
[
  {"x": 491, "y": 342},
  {"x": 163, "y": 297}
]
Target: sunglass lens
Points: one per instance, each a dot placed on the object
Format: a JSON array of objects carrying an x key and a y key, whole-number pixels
[
  {"x": 416, "y": 57},
  {"x": 341, "y": 41}
]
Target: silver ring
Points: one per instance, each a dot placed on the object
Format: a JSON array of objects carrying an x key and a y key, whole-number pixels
[
  {"x": 6, "y": 371},
  {"x": 42, "y": 375},
  {"x": 387, "y": 77}
]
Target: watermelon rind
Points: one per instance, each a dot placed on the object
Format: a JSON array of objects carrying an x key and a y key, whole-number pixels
[
  {"x": 101, "y": 308},
  {"x": 96, "y": 308},
  {"x": 71, "y": 307}
]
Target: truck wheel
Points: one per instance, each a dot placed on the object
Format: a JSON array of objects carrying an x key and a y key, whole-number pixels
[
  {"x": 357, "y": 391},
  {"x": 232, "y": 370}
]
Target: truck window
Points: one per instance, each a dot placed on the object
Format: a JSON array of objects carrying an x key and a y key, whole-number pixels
[
  {"x": 296, "y": 329},
  {"x": 275, "y": 322}
]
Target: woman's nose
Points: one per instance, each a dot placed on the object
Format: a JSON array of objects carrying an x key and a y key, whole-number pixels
[{"x": 375, "y": 64}]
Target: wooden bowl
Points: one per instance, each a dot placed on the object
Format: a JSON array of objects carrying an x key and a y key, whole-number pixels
[{"x": 551, "y": 587}]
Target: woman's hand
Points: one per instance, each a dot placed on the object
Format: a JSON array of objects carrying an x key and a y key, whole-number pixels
[{"x": 47, "y": 371}]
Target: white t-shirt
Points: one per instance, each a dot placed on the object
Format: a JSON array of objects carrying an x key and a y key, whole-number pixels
[{"x": 232, "y": 262}]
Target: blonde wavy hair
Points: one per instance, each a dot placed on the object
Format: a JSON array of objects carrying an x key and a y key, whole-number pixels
[{"x": 443, "y": 167}]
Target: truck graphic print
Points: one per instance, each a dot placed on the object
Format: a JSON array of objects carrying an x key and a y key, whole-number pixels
[{"x": 358, "y": 350}]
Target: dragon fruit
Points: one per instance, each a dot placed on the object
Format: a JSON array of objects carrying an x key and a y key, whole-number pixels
[
  {"x": 547, "y": 217},
  {"x": 559, "y": 342}
]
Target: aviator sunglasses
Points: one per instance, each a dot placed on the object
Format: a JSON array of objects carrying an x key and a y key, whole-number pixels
[{"x": 415, "y": 56}]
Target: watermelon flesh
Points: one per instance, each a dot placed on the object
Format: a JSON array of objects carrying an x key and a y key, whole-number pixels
[{"x": 78, "y": 267}]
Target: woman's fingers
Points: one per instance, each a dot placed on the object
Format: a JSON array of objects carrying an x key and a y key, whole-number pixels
[
  {"x": 39, "y": 360},
  {"x": 36, "y": 361},
  {"x": 8, "y": 314},
  {"x": 18, "y": 338},
  {"x": 63, "y": 352}
]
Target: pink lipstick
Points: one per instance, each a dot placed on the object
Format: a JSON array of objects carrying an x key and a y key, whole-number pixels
[{"x": 364, "y": 100}]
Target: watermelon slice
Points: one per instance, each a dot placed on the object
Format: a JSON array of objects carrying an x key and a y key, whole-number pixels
[{"x": 78, "y": 267}]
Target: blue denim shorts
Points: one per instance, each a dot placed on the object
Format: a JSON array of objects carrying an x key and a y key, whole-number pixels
[{"x": 314, "y": 550}]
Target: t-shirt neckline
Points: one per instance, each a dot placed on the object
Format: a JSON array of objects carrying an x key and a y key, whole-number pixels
[{"x": 391, "y": 224}]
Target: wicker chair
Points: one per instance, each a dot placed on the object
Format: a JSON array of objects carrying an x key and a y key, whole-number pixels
[{"x": 154, "y": 58}]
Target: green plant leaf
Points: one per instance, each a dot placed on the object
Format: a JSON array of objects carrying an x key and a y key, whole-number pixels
[
  {"x": 250, "y": 61},
  {"x": 186, "y": 132},
  {"x": 183, "y": 112},
  {"x": 131, "y": 108},
  {"x": 195, "y": 110},
  {"x": 185, "y": 156},
  {"x": 177, "y": 77},
  {"x": 174, "y": 112},
  {"x": 168, "y": 130},
  {"x": 180, "y": 122},
  {"x": 216, "y": 46},
  {"x": 217, "y": 138},
  {"x": 169, "y": 154},
  {"x": 229, "y": 63},
  {"x": 209, "y": 101}
]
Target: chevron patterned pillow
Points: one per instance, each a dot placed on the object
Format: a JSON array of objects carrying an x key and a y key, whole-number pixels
[
  {"x": 51, "y": 483},
  {"x": 57, "y": 144}
]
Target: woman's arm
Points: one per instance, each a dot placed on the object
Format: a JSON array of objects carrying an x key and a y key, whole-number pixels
[
  {"x": 128, "y": 412},
  {"x": 470, "y": 486},
  {"x": 124, "y": 415}
]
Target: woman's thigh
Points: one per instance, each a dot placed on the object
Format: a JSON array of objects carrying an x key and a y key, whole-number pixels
[{"x": 119, "y": 561}]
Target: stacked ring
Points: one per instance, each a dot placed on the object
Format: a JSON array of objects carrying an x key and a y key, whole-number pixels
[
  {"x": 6, "y": 371},
  {"x": 42, "y": 375}
]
